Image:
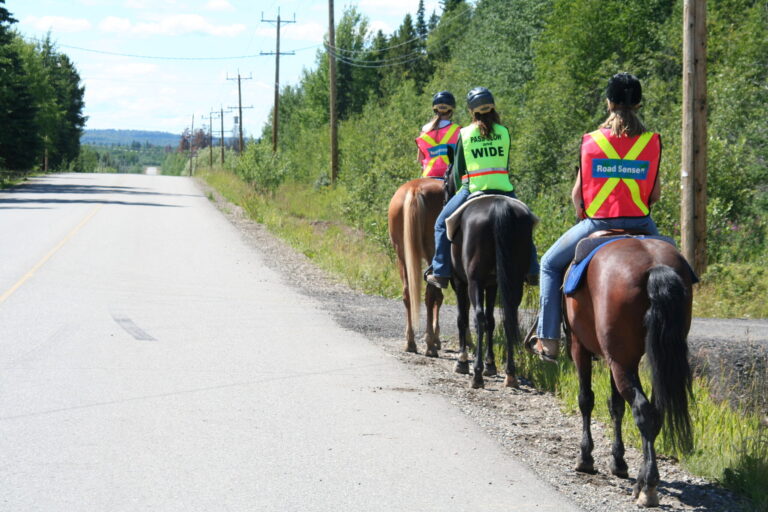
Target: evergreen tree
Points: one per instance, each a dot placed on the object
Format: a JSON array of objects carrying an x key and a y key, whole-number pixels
[{"x": 421, "y": 25}]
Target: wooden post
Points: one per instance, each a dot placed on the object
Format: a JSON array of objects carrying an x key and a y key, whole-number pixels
[
  {"x": 332, "y": 96},
  {"x": 687, "y": 207},
  {"x": 700, "y": 135},
  {"x": 693, "y": 172}
]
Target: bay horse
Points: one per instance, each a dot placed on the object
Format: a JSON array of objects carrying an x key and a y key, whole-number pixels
[
  {"x": 411, "y": 216},
  {"x": 490, "y": 251},
  {"x": 636, "y": 299}
]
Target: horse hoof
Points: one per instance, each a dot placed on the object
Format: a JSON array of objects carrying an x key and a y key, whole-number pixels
[
  {"x": 510, "y": 381},
  {"x": 431, "y": 352},
  {"x": 636, "y": 490},
  {"x": 462, "y": 367},
  {"x": 619, "y": 469},
  {"x": 411, "y": 347},
  {"x": 438, "y": 344},
  {"x": 478, "y": 383},
  {"x": 586, "y": 467},
  {"x": 490, "y": 370},
  {"x": 648, "y": 498}
]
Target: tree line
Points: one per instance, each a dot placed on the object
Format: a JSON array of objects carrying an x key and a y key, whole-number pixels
[
  {"x": 41, "y": 102},
  {"x": 547, "y": 63}
]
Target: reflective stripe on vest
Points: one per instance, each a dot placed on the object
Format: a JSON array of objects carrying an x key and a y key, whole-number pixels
[
  {"x": 486, "y": 159},
  {"x": 615, "y": 165},
  {"x": 434, "y": 153}
]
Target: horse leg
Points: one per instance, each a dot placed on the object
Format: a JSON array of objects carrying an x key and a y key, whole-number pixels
[
  {"x": 648, "y": 422},
  {"x": 432, "y": 299},
  {"x": 490, "y": 326},
  {"x": 462, "y": 300},
  {"x": 476, "y": 296},
  {"x": 410, "y": 342},
  {"x": 616, "y": 407},
  {"x": 583, "y": 360}
]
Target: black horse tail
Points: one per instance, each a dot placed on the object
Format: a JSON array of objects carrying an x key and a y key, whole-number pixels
[
  {"x": 666, "y": 346},
  {"x": 512, "y": 230}
]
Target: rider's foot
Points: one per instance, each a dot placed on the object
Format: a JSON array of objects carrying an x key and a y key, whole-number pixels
[
  {"x": 440, "y": 282},
  {"x": 547, "y": 349}
]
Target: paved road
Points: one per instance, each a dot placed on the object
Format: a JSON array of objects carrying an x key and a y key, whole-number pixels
[{"x": 150, "y": 361}]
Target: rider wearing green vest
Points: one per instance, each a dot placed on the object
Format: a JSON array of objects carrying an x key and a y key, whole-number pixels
[{"x": 482, "y": 155}]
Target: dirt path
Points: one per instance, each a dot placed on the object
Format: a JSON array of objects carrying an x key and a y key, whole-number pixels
[{"x": 527, "y": 423}]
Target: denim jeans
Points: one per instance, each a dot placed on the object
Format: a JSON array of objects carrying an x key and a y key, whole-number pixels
[
  {"x": 557, "y": 258},
  {"x": 441, "y": 263}
]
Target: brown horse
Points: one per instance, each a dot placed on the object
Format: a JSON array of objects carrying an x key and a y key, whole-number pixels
[
  {"x": 636, "y": 299},
  {"x": 412, "y": 213}
]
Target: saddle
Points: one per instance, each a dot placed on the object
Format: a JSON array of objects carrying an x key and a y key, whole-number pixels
[
  {"x": 453, "y": 222},
  {"x": 588, "y": 247}
]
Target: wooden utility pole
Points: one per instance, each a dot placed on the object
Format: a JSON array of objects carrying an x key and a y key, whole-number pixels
[
  {"x": 211, "y": 116},
  {"x": 239, "y": 121},
  {"x": 332, "y": 96},
  {"x": 693, "y": 172},
  {"x": 191, "y": 139},
  {"x": 240, "y": 107},
  {"x": 221, "y": 141},
  {"x": 276, "y": 53}
]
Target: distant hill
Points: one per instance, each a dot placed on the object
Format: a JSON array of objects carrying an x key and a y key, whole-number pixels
[{"x": 127, "y": 137}]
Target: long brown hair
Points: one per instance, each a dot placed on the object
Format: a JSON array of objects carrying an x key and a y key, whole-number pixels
[
  {"x": 486, "y": 121},
  {"x": 623, "y": 120},
  {"x": 434, "y": 124}
]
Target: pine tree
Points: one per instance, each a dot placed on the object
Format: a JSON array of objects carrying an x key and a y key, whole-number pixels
[{"x": 421, "y": 25}]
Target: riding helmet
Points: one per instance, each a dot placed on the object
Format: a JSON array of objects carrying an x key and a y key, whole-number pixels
[
  {"x": 624, "y": 89},
  {"x": 480, "y": 100},
  {"x": 443, "y": 102}
]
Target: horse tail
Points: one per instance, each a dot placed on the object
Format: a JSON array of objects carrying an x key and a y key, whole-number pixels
[
  {"x": 510, "y": 232},
  {"x": 666, "y": 346},
  {"x": 413, "y": 210}
]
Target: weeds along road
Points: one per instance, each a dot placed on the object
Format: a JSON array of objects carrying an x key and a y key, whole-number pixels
[{"x": 151, "y": 360}]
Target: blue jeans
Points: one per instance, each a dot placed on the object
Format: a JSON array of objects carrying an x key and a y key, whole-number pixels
[
  {"x": 441, "y": 263},
  {"x": 557, "y": 258}
]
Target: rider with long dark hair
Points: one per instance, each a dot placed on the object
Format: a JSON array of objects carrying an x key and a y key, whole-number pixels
[
  {"x": 616, "y": 185},
  {"x": 481, "y": 163},
  {"x": 438, "y": 137}
]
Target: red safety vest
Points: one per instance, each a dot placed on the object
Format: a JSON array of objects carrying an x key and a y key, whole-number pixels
[
  {"x": 613, "y": 185},
  {"x": 434, "y": 149}
]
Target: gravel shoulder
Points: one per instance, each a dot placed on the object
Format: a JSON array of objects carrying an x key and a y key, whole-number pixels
[{"x": 527, "y": 424}]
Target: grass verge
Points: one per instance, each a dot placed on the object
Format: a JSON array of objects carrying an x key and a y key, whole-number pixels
[{"x": 731, "y": 447}]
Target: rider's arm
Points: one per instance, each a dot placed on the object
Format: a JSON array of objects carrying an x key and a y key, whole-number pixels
[
  {"x": 576, "y": 198},
  {"x": 460, "y": 165},
  {"x": 656, "y": 192}
]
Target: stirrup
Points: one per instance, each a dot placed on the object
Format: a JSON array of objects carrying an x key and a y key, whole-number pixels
[{"x": 531, "y": 346}]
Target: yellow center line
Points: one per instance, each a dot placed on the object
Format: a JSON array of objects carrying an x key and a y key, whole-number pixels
[{"x": 50, "y": 254}]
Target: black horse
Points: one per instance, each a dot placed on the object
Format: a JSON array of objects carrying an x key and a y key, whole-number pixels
[{"x": 491, "y": 250}]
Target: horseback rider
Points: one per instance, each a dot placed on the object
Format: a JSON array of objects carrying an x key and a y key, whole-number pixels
[
  {"x": 438, "y": 137},
  {"x": 482, "y": 155},
  {"x": 615, "y": 187}
]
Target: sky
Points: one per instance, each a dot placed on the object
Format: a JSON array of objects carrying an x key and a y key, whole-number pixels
[{"x": 155, "y": 88}]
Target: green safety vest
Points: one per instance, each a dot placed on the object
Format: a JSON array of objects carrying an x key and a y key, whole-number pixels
[{"x": 486, "y": 159}]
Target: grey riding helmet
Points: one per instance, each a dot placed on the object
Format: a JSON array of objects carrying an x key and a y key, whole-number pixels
[
  {"x": 443, "y": 102},
  {"x": 624, "y": 89},
  {"x": 480, "y": 100}
]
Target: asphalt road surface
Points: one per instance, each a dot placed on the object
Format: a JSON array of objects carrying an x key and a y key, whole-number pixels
[{"x": 149, "y": 360}]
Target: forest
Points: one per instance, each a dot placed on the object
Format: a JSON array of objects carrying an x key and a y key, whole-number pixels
[
  {"x": 41, "y": 103},
  {"x": 547, "y": 63}
]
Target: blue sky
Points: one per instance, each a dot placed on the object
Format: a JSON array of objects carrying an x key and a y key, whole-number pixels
[{"x": 161, "y": 94}]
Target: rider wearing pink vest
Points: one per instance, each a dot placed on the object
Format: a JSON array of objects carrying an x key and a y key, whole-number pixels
[
  {"x": 438, "y": 137},
  {"x": 616, "y": 185}
]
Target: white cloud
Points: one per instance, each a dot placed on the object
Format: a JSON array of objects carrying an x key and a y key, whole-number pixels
[
  {"x": 377, "y": 25},
  {"x": 311, "y": 31},
  {"x": 173, "y": 25},
  {"x": 154, "y": 4},
  {"x": 57, "y": 23},
  {"x": 219, "y": 5}
]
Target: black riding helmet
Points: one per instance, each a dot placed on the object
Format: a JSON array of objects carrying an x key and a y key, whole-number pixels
[
  {"x": 624, "y": 89},
  {"x": 443, "y": 102},
  {"x": 480, "y": 100}
]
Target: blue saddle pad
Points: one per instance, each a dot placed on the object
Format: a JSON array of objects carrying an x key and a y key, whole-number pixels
[{"x": 590, "y": 246}]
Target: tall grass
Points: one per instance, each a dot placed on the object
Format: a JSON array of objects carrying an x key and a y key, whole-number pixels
[{"x": 730, "y": 447}]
